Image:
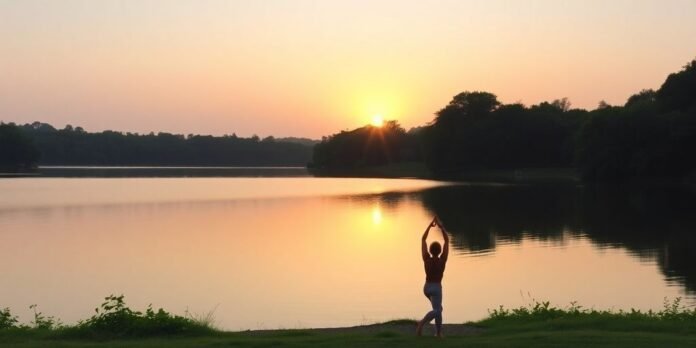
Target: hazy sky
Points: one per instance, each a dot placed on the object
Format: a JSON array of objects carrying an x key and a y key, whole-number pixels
[{"x": 310, "y": 68}]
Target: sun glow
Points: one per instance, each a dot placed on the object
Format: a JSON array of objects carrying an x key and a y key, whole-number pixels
[
  {"x": 376, "y": 215},
  {"x": 377, "y": 120}
]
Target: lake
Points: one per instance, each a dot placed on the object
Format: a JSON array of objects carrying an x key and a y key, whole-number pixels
[{"x": 271, "y": 250}]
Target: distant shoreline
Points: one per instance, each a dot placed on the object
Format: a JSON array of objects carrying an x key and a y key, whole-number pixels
[
  {"x": 89, "y": 166},
  {"x": 70, "y": 171},
  {"x": 420, "y": 171},
  {"x": 406, "y": 170}
]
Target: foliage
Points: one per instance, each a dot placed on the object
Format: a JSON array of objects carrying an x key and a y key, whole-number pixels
[
  {"x": 43, "y": 322},
  {"x": 543, "y": 310},
  {"x": 652, "y": 136},
  {"x": 366, "y": 146},
  {"x": 114, "y": 319},
  {"x": 677, "y": 92},
  {"x": 497, "y": 136},
  {"x": 534, "y": 325},
  {"x": 17, "y": 150},
  {"x": 466, "y": 105},
  {"x": 7, "y": 320},
  {"x": 75, "y": 146}
]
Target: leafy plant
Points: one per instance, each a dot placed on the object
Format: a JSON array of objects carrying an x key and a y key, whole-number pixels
[
  {"x": 7, "y": 320},
  {"x": 115, "y": 318},
  {"x": 672, "y": 310},
  {"x": 44, "y": 322}
]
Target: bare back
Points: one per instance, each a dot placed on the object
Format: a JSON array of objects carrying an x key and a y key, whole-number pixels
[{"x": 434, "y": 269}]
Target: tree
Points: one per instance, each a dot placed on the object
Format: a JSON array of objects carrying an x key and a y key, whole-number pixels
[
  {"x": 645, "y": 96},
  {"x": 652, "y": 137},
  {"x": 562, "y": 104},
  {"x": 17, "y": 150},
  {"x": 476, "y": 132},
  {"x": 467, "y": 104},
  {"x": 364, "y": 147},
  {"x": 603, "y": 105},
  {"x": 678, "y": 92},
  {"x": 75, "y": 146}
]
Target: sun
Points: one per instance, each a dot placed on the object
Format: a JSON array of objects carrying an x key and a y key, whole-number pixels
[{"x": 377, "y": 120}]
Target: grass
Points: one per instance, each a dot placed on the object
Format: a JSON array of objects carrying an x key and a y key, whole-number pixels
[{"x": 537, "y": 325}]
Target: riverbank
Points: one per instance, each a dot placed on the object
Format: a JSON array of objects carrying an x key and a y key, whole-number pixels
[
  {"x": 566, "y": 332},
  {"x": 537, "y": 324}
]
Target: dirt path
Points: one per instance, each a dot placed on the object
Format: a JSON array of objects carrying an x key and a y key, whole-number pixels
[{"x": 408, "y": 328}]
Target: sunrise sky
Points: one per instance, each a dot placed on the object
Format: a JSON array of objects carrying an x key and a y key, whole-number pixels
[{"x": 311, "y": 68}]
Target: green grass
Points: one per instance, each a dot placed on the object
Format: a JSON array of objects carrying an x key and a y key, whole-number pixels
[
  {"x": 574, "y": 333},
  {"x": 536, "y": 325}
]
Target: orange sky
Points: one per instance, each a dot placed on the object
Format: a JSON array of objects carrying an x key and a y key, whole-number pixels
[{"x": 311, "y": 68}]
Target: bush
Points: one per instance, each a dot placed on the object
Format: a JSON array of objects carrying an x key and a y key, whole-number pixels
[
  {"x": 7, "y": 320},
  {"x": 42, "y": 322},
  {"x": 672, "y": 311},
  {"x": 114, "y": 319}
]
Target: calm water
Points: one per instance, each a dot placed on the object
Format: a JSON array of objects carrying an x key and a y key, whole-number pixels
[{"x": 312, "y": 252}]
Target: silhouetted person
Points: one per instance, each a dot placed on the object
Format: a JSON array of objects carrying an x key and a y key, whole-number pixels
[{"x": 434, "y": 262}]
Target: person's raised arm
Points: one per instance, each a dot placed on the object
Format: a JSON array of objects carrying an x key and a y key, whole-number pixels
[
  {"x": 445, "y": 248},
  {"x": 424, "y": 246}
]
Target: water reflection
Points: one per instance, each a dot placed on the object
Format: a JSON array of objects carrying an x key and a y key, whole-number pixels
[
  {"x": 304, "y": 252},
  {"x": 376, "y": 214},
  {"x": 652, "y": 223}
]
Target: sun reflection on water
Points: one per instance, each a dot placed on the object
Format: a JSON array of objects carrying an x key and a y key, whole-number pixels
[{"x": 376, "y": 215}]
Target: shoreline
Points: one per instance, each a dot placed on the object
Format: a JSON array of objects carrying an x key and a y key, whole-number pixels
[
  {"x": 531, "y": 325},
  {"x": 540, "y": 329}
]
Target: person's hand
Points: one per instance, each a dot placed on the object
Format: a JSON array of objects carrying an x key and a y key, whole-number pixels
[
  {"x": 437, "y": 222},
  {"x": 434, "y": 222}
]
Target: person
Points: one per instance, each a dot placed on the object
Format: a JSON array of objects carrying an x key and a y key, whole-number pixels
[{"x": 434, "y": 262}]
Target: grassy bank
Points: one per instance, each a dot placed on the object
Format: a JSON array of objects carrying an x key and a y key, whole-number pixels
[
  {"x": 575, "y": 332},
  {"x": 538, "y": 325}
]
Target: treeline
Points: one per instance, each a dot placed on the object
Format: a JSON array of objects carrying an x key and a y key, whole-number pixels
[
  {"x": 368, "y": 146},
  {"x": 652, "y": 136},
  {"x": 75, "y": 146},
  {"x": 17, "y": 150}
]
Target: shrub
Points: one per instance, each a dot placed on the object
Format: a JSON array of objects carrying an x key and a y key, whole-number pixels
[
  {"x": 114, "y": 319},
  {"x": 672, "y": 311},
  {"x": 43, "y": 322},
  {"x": 7, "y": 320}
]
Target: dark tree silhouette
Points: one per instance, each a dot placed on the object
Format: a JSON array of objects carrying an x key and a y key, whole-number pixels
[
  {"x": 475, "y": 131},
  {"x": 74, "y": 146},
  {"x": 365, "y": 146},
  {"x": 652, "y": 136},
  {"x": 17, "y": 150},
  {"x": 678, "y": 92}
]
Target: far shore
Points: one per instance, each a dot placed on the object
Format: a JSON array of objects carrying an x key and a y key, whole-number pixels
[
  {"x": 419, "y": 170},
  {"x": 404, "y": 170}
]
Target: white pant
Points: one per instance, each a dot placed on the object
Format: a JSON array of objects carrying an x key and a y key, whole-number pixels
[{"x": 433, "y": 291}]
